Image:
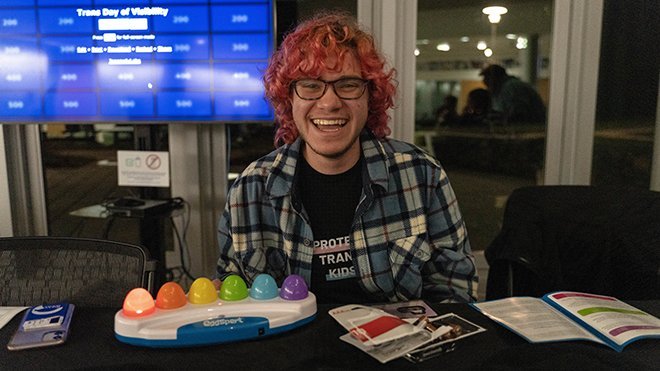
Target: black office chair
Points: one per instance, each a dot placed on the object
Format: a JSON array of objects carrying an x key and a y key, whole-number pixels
[
  {"x": 85, "y": 272},
  {"x": 597, "y": 239}
]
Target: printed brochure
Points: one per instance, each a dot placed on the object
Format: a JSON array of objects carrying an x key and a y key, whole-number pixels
[{"x": 566, "y": 315}]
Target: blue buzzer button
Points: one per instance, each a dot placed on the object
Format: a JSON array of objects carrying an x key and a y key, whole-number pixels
[
  {"x": 294, "y": 288},
  {"x": 264, "y": 287}
]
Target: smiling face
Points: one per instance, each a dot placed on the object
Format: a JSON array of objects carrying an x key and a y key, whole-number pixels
[{"x": 330, "y": 126}]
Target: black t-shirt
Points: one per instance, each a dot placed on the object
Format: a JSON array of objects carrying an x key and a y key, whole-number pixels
[{"x": 330, "y": 202}]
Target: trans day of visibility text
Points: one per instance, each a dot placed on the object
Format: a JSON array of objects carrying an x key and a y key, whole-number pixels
[{"x": 108, "y": 12}]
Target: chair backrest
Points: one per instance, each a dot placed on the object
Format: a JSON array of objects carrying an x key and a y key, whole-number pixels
[
  {"x": 599, "y": 239},
  {"x": 85, "y": 272}
]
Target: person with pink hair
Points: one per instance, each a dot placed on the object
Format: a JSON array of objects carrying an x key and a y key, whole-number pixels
[{"x": 361, "y": 217}]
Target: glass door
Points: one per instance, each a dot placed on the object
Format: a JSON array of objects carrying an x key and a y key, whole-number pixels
[{"x": 469, "y": 117}]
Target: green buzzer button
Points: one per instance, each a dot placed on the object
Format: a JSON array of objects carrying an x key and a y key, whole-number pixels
[{"x": 233, "y": 288}]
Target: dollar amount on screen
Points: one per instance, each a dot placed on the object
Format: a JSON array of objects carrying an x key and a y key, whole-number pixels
[
  {"x": 239, "y": 18},
  {"x": 15, "y": 104},
  {"x": 14, "y": 77},
  {"x": 9, "y": 22}
]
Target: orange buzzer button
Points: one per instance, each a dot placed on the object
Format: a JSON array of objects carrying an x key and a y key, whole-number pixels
[
  {"x": 138, "y": 302},
  {"x": 170, "y": 296}
]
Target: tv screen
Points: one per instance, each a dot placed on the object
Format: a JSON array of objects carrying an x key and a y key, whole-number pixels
[{"x": 140, "y": 61}]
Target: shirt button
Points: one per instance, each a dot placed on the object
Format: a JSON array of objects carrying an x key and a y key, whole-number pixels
[{"x": 307, "y": 242}]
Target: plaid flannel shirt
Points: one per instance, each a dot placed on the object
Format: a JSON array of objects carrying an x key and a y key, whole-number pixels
[{"x": 408, "y": 239}]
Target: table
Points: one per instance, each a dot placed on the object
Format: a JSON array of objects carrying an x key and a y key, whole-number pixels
[{"x": 91, "y": 344}]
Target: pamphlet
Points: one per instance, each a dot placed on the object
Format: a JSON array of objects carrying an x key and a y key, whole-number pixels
[
  {"x": 566, "y": 315},
  {"x": 408, "y": 309},
  {"x": 460, "y": 328},
  {"x": 386, "y": 336},
  {"x": 383, "y": 335}
]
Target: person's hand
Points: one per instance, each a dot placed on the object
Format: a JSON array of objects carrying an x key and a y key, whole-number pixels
[{"x": 217, "y": 283}]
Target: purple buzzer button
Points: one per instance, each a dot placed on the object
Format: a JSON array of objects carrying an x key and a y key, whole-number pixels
[{"x": 293, "y": 288}]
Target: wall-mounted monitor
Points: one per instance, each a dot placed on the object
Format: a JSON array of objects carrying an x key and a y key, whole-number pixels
[{"x": 139, "y": 61}]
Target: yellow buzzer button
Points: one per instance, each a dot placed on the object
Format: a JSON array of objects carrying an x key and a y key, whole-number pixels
[
  {"x": 138, "y": 303},
  {"x": 170, "y": 296},
  {"x": 233, "y": 288},
  {"x": 202, "y": 291}
]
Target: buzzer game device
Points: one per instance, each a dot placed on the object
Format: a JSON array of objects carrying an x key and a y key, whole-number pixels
[{"x": 206, "y": 316}]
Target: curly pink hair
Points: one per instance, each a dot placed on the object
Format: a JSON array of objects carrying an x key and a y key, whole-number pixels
[{"x": 304, "y": 52}]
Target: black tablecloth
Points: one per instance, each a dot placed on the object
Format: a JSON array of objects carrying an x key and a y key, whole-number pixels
[{"x": 316, "y": 346}]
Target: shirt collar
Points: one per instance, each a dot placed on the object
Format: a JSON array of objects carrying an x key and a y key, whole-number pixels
[{"x": 281, "y": 177}]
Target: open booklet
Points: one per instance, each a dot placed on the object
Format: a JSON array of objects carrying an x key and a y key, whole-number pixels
[{"x": 565, "y": 315}]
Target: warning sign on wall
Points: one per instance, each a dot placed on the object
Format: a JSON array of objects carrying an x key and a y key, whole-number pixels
[{"x": 143, "y": 168}]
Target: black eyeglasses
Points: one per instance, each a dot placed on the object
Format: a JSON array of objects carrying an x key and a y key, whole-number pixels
[{"x": 345, "y": 88}]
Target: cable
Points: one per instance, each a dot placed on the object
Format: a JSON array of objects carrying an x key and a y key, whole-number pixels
[{"x": 184, "y": 252}]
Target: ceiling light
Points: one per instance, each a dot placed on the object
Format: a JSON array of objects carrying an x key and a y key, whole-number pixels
[
  {"x": 511, "y": 36},
  {"x": 521, "y": 43},
  {"x": 443, "y": 47},
  {"x": 423, "y": 42},
  {"x": 416, "y": 52},
  {"x": 488, "y": 52},
  {"x": 481, "y": 45},
  {"x": 494, "y": 13},
  {"x": 465, "y": 39}
]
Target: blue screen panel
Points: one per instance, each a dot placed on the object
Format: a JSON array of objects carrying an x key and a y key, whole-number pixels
[
  {"x": 126, "y": 104},
  {"x": 240, "y": 46},
  {"x": 20, "y": 105},
  {"x": 126, "y": 78},
  {"x": 238, "y": 76},
  {"x": 183, "y": 19},
  {"x": 63, "y": 21},
  {"x": 64, "y": 2},
  {"x": 188, "y": 104},
  {"x": 239, "y": 104},
  {"x": 71, "y": 77},
  {"x": 67, "y": 49},
  {"x": 132, "y": 61},
  {"x": 18, "y": 21},
  {"x": 189, "y": 76},
  {"x": 184, "y": 47},
  {"x": 240, "y": 18},
  {"x": 70, "y": 104}
]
